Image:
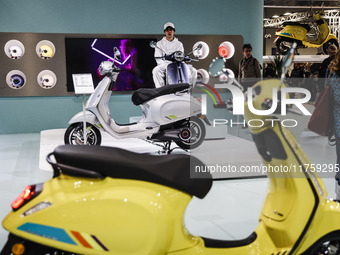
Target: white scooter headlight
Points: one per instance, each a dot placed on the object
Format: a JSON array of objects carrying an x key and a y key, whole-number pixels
[{"x": 179, "y": 56}]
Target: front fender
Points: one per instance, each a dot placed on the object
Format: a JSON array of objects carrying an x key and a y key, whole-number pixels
[{"x": 79, "y": 117}]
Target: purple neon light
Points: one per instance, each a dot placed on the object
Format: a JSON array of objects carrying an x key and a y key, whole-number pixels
[{"x": 105, "y": 55}]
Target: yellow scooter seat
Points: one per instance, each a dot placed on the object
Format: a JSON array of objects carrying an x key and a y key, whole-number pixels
[
  {"x": 290, "y": 23},
  {"x": 100, "y": 162}
]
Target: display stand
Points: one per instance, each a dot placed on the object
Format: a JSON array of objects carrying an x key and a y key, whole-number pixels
[{"x": 83, "y": 84}]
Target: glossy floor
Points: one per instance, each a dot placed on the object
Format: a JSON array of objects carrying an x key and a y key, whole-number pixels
[{"x": 229, "y": 211}]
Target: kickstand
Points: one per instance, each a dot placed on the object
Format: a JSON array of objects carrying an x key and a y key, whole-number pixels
[
  {"x": 166, "y": 147},
  {"x": 167, "y": 150}
]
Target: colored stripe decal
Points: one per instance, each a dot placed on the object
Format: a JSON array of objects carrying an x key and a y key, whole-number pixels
[
  {"x": 81, "y": 239},
  {"x": 214, "y": 90},
  {"x": 92, "y": 242},
  {"x": 173, "y": 116},
  {"x": 102, "y": 245},
  {"x": 208, "y": 92},
  {"x": 48, "y": 232}
]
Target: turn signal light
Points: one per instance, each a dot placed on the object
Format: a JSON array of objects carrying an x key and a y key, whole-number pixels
[
  {"x": 18, "y": 249},
  {"x": 25, "y": 196}
]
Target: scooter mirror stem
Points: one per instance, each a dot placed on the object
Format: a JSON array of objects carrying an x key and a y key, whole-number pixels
[
  {"x": 197, "y": 48},
  {"x": 153, "y": 44}
]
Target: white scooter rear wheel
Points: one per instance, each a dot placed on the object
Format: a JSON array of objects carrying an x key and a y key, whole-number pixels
[
  {"x": 74, "y": 134},
  {"x": 192, "y": 134}
]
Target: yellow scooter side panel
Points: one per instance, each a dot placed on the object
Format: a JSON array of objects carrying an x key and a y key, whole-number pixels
[
  {"x": 294, "y": 32},
  {"x": 110, "y": 216}
]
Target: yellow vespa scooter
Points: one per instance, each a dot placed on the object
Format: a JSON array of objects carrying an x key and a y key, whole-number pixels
[
  {"x": 297, "y": 32},
  {"x": 109, "y": 201}
]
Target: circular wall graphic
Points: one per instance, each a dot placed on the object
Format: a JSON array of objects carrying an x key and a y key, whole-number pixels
[
  {"x": 202, "y": 51},
  {"x": 202, "y": 76},
  {"x": 16, "y": 79},
  {"x": 45, "y": 49},
  {"x": 47, "y": 79},
  {"x": 226, "y": 50},
  {"x": 14, "y": 49},
  {"x": 226, "y": 76}
]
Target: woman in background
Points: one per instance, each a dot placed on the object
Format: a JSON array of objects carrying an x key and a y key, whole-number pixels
[{"x": 333, "y": 78}]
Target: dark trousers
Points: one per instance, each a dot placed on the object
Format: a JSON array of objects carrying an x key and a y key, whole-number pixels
[{"x": 337, "y": 147}]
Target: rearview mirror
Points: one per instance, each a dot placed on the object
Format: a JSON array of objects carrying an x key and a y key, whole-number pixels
[
  {"x": 116, "y": 53},
  {"x": 153, "y": 44}
]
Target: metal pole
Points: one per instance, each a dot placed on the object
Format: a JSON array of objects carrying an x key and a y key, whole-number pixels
[{"x": 84, "y": 120}]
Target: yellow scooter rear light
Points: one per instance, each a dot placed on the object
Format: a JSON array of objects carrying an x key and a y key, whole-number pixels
[
  {"x": 25, "y": 196},
  {"x": 18, "y": 249}
]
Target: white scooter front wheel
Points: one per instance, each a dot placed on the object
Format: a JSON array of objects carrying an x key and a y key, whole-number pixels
[
  {"x": 75, "y": 134},
  {"x": 192, "y": 134}
]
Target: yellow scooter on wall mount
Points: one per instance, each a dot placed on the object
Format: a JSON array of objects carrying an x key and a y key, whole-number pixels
[
  {"x": 105, "y": 200},
  {"x": 297, "y": 32}
]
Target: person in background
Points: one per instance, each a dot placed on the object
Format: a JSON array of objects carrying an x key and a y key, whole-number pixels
[
  {"x": 331, "y": 50},
  {"x": 167, "y": 45},
  {"x": 334, "y": 81},
  {"x": 249, "y": 69},
  {"x": 297, "y": 71}
]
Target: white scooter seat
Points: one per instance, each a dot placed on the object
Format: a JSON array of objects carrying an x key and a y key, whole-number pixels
[
  {"x": 169, "y": 170},
  {"x": 143, "y": 95}
]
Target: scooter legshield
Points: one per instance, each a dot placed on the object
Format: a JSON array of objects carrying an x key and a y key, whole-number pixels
[
  {"x": 109, "y": 216},
  {"x": 177, "y": 73}
]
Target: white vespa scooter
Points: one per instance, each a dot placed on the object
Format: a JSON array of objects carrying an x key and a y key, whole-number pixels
[{"x": 170, "y": 114}]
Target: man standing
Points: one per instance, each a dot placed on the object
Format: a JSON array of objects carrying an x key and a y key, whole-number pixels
[
  {"x": 167, "y": 45},
  {"x": 249, "y": 70}
]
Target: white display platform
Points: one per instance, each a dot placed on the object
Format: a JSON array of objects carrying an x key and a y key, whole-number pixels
[
  {"x": 299, "y": 58},
  {"x": 50, "y": 139},
  {"x": 229, "y": 151}
]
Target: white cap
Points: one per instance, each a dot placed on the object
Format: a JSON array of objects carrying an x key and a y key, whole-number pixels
[{"x": 169, "y": 24}]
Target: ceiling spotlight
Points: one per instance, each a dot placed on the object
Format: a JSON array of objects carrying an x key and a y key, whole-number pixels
[
  {"x": 287, "y": 13},
  {"x": 275, "y": 16}
]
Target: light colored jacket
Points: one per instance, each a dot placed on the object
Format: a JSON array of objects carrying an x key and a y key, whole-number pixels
[{"x": 168, "y": 47}]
